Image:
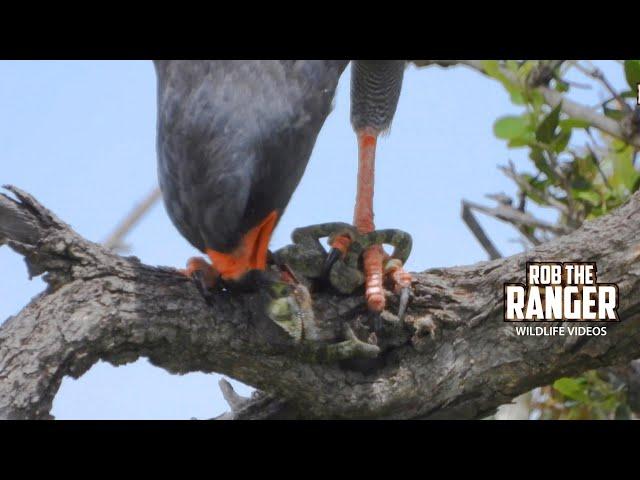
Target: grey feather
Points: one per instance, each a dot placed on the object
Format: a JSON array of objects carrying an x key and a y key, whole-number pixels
[
  {"x": 375, "y": 91},
  {"x": 234, "y": 139}
]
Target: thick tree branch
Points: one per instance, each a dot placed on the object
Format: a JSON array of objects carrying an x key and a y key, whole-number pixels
[{"x": 100, "y": 306}]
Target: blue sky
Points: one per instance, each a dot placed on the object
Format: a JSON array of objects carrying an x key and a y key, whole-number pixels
[{"x": 80, "y": 136}]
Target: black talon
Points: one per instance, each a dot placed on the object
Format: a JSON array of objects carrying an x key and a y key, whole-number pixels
[
  {"x": 332, "y": 257},
  {"x": 205, "y": 291},
  {"x": 376, "y": 321},
  {"x": 404, "y": 300}
]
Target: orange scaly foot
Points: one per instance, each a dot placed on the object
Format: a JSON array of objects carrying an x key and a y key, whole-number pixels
[
  {"x": 363, "y": 220},
  {"x": 339, "y": 246},
  {"x": 374, "y": 290},
  {"x": 197, "y": 266},
  {"x": 204, "y": 275}
]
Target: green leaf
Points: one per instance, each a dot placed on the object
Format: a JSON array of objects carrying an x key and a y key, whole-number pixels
[
  {"x": 613, "y": 113},
  {"x": 519, "y": 142},
  {"x": 517, "y": 98},
  {"x": 491, "y": 67},
  {"x": 578, "y": 182},
  {"x": 546, "y": 131},
  {"x": 535, "y": 98},
  {"x": 538, "y": 157},
  {"x": 572, "y": 388},
  {"x": 570, "y": 123},
  {"x": 632, "y": 73},
  {"x": 561, "y": 141},
  {"x": 624, "y": 175},
  {"x": 588, "y": 196},
  {"x": 562, "y": 86},
  {"x": 512, "y": 65},
  {"x": 510, "y": 127}
]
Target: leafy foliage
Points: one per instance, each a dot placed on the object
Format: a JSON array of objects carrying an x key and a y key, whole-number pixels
[
  {"x": 587, "y": 397},
  {"x": 580, "y": 172}
]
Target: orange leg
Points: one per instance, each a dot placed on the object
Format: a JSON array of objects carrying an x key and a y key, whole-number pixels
[
  {"x": 363, "y": 215},
  {"x": 363, "y": 218}
]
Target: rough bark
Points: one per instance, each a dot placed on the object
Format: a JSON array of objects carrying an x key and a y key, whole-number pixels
[{"x": 100, "y": 306}]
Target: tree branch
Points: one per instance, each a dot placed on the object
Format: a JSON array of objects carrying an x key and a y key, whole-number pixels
[
  {"x": 470, "y": 220},
  {"x": 626, "y": 131},
  {"x": 115, "y": 241},
  {"x": 100, "y": 306}
]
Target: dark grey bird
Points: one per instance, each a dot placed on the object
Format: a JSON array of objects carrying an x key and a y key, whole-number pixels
[{"x": 234, "y": 139}]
